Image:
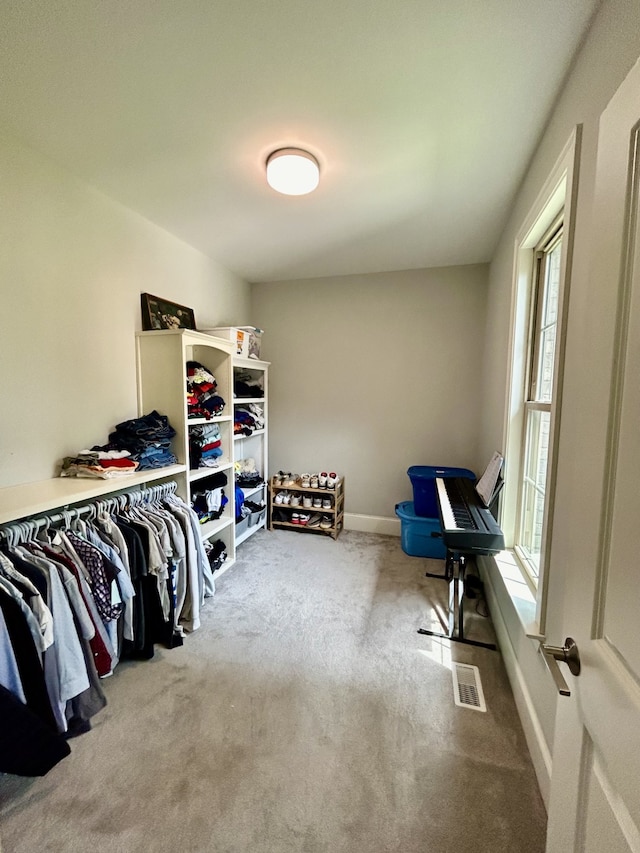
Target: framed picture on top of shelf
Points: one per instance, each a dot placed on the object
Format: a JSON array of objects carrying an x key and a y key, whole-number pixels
[{"x": 159, "y": 313}]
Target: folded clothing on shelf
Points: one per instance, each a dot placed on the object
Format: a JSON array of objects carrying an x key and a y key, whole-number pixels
[
  {"x": 247, "y": 385},
  {"x": 249, "y": 481},
  {"x": 147, "y": 439},
  {"x": 209, "y": 499},
  {"x": 248, "y": 418},
  {"x": 247, "y": 474},
  {"x": 205, "y": 446},
  {"x": 135, "y": 445},
  {"x": 203, "y": 400},
  {"x": 98, "y": 464}
]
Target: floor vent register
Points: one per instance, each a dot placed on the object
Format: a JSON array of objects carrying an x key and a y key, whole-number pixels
[{"x": 467, "y": 687}]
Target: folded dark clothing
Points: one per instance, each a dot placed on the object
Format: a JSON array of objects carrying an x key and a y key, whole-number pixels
[
  {"x": 215, "y": 481},
  {"x": 244, "y": 389},
  {"x": 243, "y": 417},
  {"x": 153, "y": 424},
  {"x": 248, "y": 480}
]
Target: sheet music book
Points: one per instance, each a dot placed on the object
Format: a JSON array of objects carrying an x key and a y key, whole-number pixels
[{"x": 486, "y": 485}]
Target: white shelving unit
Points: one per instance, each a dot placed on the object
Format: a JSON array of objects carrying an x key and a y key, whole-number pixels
[
  {"x": 256, "y": 445},
  {"x": 162, "y": 375}
]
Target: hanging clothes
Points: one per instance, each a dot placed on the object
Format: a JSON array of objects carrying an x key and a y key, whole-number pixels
[{"x": 75, "y": 600}]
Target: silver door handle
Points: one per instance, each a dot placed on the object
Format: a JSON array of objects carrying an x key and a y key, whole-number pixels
[{"x": 567, "y": 653}]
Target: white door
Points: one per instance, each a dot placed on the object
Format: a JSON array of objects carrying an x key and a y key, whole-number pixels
[{"x": 595, "y": 789}]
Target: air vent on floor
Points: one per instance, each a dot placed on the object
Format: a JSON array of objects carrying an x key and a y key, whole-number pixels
[{"x": 467, "y": 687}]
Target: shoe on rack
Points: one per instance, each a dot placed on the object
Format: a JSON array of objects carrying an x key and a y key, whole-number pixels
[
  {"x": 326, "y": 503},
  {"x": 305, "y": 480},
  {"x": 317, "y": 503},
  {"x": 291, "y": 480},
  {"x": 307, "y": 501},
  {"x": 322, "y": 480},
  {"x": 279, "y": 478},
  {"x": 278, "y": 515},
  {"x": 332, "y": 480},
  {"x": 314, "y": 520},
  {"x": 286, "y": 497},
  {"x": 280, "y": 498},
  {"x": 326, "y": 523},
  {"x": 304, "y": 519},
  {"x": 314, "y": 481},
  {"x": 295, "y": 518},
  {"x": 295, "y": 500}
]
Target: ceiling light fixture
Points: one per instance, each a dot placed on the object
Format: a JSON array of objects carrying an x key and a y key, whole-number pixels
[{"x": 292, "y": 171}]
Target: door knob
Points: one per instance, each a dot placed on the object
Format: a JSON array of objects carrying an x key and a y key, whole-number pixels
[{"x": 569, "y": 655}]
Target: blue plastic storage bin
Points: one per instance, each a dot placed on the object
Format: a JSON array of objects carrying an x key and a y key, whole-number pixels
[
  {"x": 419, "y": 536},
  {"x": 423, "y": 480}
]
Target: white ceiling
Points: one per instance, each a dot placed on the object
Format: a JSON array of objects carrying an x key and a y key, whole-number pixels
[{"x": 422, "y": 113}]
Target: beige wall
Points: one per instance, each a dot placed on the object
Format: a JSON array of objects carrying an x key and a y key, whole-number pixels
[
  {"x": 72, "y": 267},
  {"x": 610, "y": 50},
  {"x": 372, "y": 374}
]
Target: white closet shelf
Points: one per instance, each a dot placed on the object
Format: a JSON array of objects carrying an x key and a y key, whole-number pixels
[
  {"x": 201, "y": 473},
  {"x": 241, "y": 436},
  {"x": 43, "y": 496},
  {"x": 205, "y": 421},
  {"x": 210, "y": 528},
  {"x": 251, "y": 490}
]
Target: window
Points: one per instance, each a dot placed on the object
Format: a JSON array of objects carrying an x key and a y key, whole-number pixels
[
  {"x": 542, "y": 268},
  {"x": 539, "y": 400}
]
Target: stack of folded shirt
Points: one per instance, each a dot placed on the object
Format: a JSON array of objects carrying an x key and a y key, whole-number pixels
[
  {"x": 99, "y": 464},
  {"x": 204, "y": 446},
  {"x": 203, "y": 401},
  {"x": 210, "y": 500},
  {"x": 147, "y": 439},
  {"x": 247, "y": 419},
  {"x": 246, "y": 385}
]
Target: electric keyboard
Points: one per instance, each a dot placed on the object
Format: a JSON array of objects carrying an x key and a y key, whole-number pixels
[{"x": 467, "y": 525}]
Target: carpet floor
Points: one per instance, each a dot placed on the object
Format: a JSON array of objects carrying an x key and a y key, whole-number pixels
[{"x": 307, "y": 715}]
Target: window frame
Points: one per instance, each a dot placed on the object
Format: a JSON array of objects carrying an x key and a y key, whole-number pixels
[
  {"x": 557, "y": 199},
  {"x": 533, "y": 401}
]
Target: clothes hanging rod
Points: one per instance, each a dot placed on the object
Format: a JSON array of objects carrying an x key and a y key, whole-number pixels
[{"x": 142, "y": 495}]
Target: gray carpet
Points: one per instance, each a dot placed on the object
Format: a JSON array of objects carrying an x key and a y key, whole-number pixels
[{"x": 305, "y": 716}]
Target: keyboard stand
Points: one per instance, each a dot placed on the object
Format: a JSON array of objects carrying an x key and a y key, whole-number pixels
[
  {"x": 448, "y": 569},
  {"x": 455, "y": 567}
]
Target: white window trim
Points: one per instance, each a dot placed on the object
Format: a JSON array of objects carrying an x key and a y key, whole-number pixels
[{"x": 559, "y": 191}]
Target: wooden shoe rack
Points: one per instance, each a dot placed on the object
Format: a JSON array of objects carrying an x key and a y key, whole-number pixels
[{"x": 335, "y": 514}]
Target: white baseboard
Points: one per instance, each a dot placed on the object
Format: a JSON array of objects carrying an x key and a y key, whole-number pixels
[
  {"x": 372, "y": 524},
  {"x": 534, "y": 735}
]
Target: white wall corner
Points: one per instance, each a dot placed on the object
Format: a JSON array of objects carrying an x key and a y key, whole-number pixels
[{"x": 372, "y": 524}]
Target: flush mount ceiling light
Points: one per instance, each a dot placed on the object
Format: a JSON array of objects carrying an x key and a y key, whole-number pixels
[{"x": 292, "y": 171}]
